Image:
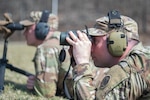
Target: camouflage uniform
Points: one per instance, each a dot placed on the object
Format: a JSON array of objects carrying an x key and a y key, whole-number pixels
[
  {"x": 127, "y": 80},
  {"x": 49, "y": 70}
]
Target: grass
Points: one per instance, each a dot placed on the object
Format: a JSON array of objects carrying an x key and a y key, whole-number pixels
[{"x": 20, "y": 55}]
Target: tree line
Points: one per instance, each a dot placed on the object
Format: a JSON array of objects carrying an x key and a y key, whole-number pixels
[{"x": 75, "y": 14}]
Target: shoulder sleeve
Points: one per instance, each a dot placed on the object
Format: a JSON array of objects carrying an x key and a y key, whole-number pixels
[
  {"x": 83, "y": 87},
  {"x": 56, "y": 35},
  {"x": 47, "y": 73},
  {"x": 122, "y": 82},
  {"x": 110, "y": 85}
]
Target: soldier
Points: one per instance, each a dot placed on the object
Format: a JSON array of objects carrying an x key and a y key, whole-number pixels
[
  {"x": 116, "y": 46},
  {"x": 41, "y": 32}
]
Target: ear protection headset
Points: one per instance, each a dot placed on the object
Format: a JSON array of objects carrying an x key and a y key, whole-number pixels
[
  {"x": 42, "y": 28},
  {"x": 117, "y": 39}
]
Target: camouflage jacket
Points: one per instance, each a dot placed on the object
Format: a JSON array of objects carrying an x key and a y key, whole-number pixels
[
  {"x": 49, "y": 70},
  {"x": 128, "y": 80}
]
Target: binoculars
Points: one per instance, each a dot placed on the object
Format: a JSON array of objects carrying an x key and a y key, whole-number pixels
[{"x": 63, "y": 36}]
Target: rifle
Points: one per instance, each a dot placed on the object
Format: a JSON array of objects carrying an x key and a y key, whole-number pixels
[{"x": 4, "y": 61}]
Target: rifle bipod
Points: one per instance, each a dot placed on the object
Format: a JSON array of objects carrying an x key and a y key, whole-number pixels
[{"x": 4, "y": 64}]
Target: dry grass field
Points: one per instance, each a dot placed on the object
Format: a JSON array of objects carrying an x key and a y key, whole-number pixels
[{"x": 20, "y": 55}]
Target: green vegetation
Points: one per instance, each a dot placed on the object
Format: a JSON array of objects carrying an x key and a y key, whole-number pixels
[{"x": 20, "y": 55}]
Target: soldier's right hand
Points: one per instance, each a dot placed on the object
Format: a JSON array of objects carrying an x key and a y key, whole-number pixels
[{"x": 30, "y": 82}]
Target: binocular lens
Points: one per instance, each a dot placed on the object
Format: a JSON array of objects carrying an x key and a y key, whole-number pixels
[{"x": 63, "y": 36}]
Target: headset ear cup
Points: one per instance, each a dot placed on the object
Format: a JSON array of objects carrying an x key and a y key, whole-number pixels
[
  {"x": 41, "y": 30},
  {"x": 117, "y": 43}
]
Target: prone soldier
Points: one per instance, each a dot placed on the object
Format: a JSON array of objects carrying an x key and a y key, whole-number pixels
[{"x": 41, "y": 32}]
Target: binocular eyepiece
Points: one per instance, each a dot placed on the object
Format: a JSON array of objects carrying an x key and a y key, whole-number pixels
[{"x": 63, "y": 36}]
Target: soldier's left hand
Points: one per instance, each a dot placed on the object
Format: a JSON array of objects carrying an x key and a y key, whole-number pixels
[
  {"x": 3, "y": 29},
  {"x": 81, "y": 47}
]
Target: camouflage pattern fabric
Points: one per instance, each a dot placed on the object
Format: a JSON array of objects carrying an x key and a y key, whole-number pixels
[
  {"x": 129, "y": 80},
  {"x": 35, "y": 16},
  {"x": 101, "y": 28},
  {"x": 50, "y": 71}
]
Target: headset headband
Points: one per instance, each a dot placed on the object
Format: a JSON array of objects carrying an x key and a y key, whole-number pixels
[
  {"x": 45, "y": 16},
  {"x": 114, "y": 19}
]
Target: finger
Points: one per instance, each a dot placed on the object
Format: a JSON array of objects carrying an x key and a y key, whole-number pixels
[
  {"x": 82, "y": 35},
  {"x": 85, "y": 36},
  {"x": 29, "y": 86},
  {"x": 6, "y": 30},
  {"x": 73, "y": 36},
  {"x": 3, "y": 22},
  {"x": 70, "y": 41},
  {"x": 30, "y": 82},
  {"x": 31, "y": 77},
  {"x": 8, "y": 17}
]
